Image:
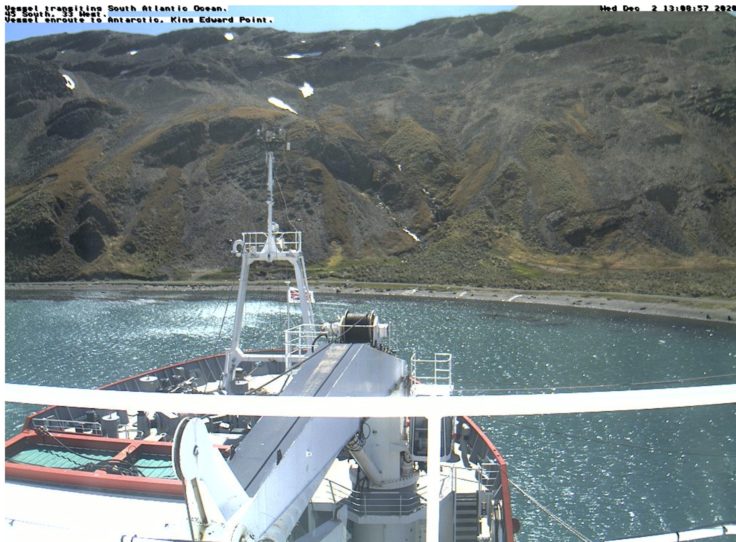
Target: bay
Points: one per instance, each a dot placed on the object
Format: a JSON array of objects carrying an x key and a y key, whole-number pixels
[{"x": 609, "y": 475}]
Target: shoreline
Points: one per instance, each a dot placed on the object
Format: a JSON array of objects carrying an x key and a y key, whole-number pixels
[{"x": 691, "y": 308}]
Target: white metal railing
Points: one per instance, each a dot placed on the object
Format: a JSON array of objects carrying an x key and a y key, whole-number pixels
[
  {"x": 489, "y": 476},
  {"x": 55, "y": 424},
  {"x": 433, "y": 408},
  {"x": 300, "y": 342},
  {"x": 376, "y": 503},
  {"x": 338, "y": 492},
  {"x": 376, "y": 407},
  {"x": 384, "y": 503},
  {"x": 448, "y": 480},
  {"x": 255, "y": 241},
  {"x": 436, "y": 371}
]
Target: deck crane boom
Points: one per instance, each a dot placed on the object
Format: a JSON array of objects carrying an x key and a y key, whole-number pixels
[{"x": 261, "y": 492}]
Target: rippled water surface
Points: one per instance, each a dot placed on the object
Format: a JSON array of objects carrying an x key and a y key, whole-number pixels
[{"x": 610, "y": 475}]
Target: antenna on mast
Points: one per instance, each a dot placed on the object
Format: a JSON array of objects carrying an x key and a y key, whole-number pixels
[
  {"x": 272, "y": 140},
  {"x": 273, "y": 245}
]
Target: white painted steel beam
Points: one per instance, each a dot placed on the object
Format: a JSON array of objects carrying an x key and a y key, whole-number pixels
[
  {"x": 376, "y": 407},
  {"x": 727, "y": 529},
  {"x": 433, "y": 408},
  {"x": 434, "y": 436}
]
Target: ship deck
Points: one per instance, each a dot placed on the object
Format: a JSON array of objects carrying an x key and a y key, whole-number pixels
[
  {"x": 42, "y": 512},
  {"x": 50, "y": 500}
]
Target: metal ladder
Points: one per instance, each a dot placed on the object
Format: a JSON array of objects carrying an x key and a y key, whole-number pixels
[{"x": 467, "y": 526}]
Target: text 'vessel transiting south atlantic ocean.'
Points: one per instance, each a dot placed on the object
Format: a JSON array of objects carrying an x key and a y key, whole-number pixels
[{"x": 131, "y": 13}]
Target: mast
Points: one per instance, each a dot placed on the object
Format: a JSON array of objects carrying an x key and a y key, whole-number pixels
[{"x": 273, "y": 245}]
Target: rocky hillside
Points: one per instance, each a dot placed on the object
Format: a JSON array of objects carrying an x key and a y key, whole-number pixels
[{"x": 553, "y": 148}]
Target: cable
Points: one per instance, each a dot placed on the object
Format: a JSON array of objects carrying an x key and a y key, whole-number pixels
[
  {"x": 120, "y": 467},
  {"x": 227, "y": 305},
  {"x": 551, "y": 514},
  {"x": 259, "y": 388},
  {"x": 151, "y": 467},
  {"x": 42, "y": 431},
  {"x": 698, "y": 533},
  {"x": 286, "y": 208},
  {"x": 219, "y": 300},
  {"x": 86, "y": 466},
  {"x": 318, "y": 337},
  {"x": 112, "y": 466}
]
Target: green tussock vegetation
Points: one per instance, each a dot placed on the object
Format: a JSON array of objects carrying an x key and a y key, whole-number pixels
[
  {"x": 552, "y": 169},
  {"x": 336, "y": 210},
  {"x": 421, "y": 155},
  {"x": 557, "y": 180},
  {"x": 470, "y": 186}
]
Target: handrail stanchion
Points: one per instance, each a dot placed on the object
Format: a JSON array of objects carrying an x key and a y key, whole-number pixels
[
  {"x": 287, "y": 350},
  {"x": 434, "y": 431}
]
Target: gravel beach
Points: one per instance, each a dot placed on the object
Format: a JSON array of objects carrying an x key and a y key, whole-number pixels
[{"x": 701, "y": 308}]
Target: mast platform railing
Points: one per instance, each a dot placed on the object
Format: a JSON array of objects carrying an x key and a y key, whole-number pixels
[{"x": 286, "y": 241}]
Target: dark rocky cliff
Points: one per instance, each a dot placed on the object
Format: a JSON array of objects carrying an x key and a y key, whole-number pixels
[{"x": 554, "y": 147}]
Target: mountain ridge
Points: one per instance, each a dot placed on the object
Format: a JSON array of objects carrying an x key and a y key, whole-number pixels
[{"x": 534, "y": 148}]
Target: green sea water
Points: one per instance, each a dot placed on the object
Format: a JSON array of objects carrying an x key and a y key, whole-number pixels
[{"x": 609, "y": 475}]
